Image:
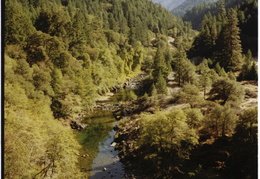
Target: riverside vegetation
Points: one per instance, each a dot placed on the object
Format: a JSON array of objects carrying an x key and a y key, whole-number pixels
[{"x": 60, "y": 56}]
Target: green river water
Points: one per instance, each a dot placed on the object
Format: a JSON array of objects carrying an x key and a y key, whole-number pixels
[{"x": 102, "y": 160}]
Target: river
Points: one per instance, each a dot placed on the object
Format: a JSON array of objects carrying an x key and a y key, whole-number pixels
[
  {"x": 103, "y": 160},
  {"x": 107, "y": 163}
]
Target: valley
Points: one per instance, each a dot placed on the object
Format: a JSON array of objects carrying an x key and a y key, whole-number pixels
[{"x": 126, "y": 89}]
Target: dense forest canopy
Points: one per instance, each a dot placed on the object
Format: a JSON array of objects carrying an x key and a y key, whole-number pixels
[
  {"x": 196, "y": 13},
  {"x": 236, "y": 27}
]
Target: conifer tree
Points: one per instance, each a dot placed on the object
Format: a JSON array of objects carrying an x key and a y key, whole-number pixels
[
  {"x": 253, "y": 74},
  {"x": 152, "y": 90},
  {"x": 159, "y": 64},
  {"x": 184, "y": 69},
  {"x": 205, "y": 77},
  {"x": 161, "y": 84},
  {"x": 221, "y": 8},
  {"x": 204, "y": 43},
  {"x": 230, "y": 51}
]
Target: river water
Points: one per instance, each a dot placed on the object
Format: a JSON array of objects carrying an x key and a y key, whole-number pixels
[
  {"x": 107, "y": 163},
  {"x": 97, "y": 139}
]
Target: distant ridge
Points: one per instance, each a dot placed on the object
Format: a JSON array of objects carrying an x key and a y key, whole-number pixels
[
  {"x": 169, "y": 4},
  {"x": 188, "y": 4}
]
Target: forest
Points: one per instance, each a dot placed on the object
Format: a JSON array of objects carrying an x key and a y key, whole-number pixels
[{"x": 190, "y": 119}]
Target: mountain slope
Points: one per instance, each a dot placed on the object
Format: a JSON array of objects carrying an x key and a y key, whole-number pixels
[
  {"x": 197, "y": 12},
  {"x": 169, "y": 4},
  {"x": 188, "y": 4}
]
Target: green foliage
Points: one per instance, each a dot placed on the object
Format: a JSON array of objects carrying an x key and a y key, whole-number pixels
[
  {"x": 224, "y": 90},
  {"x": 166, "y": 132},
  {"x": 42, "y": 81},
  {"x": 247, "y": 15},
  {"x": 249, "y": 70},
  {"x": 159, "y": 64},
  {"x": 253, "y": 74},
  {"x": 36, "y": 144},
  {"x": 72, "y": 40},
  {"x": 127, "y": 95},
  {"x": 194, "y": 117},
  {"x": 187, "y": 5},
  {"x": 184, "y": 69},
  {"x": 18, "y": 25},
  {"x": 153, "y": 90},
  {"x": 249, "y": 117},
  {"x": 160, "y": 84},
  {"x": 190, "y": 94},
  {"x": 71, "y": 105},
  {"x": 244, "y": 146},
  {"x": 222, "y": 120},
  {"x": 197, "y": 13},
  {"x": 57, "y": 82},
  {"x": 205, "y": 42},
  {"x": 230, "y": 49},
  {"x": 15, "y": 52},
  {"x": 205, "y": 78},
  {"x": 222, "y": 73},
  {"x": 165, "y": 141},
  {"x": 218, "y": 68},
  {"x": 223, "y": 35},
  {"x": 231, "y": 75}
]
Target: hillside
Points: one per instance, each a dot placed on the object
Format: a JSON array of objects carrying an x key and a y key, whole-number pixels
[
  {"x": 188, "y": 4},
  {"x": 195, "y": 14},
  {"x": 169, "y": 4},
  {"x": 60, "y": 56},
  {"x": 246, "y": 13}
]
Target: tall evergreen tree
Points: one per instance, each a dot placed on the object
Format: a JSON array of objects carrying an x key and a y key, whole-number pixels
[
  {"x": 204, "y": 43},
  {"x": 221, "y": 8},
  {"x": 229, "y": 53},
  {"x": 161, "y": 84},
  {"x": 159, "y": 64},
  {"x": 184, "y": 69}
]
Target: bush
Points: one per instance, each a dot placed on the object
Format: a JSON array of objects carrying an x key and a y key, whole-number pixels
[{"x": 224, "y": 90}]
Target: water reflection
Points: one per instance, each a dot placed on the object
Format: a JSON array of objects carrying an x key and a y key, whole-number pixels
[
  {"x": 103, "y": 160},
  {"x": 99, "y": 129},
  {"x": 107, "y": 164}
]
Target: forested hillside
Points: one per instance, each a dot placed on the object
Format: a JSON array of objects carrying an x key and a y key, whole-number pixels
[
  {"x": 59, "y": 57},
  {"x": 188, "y": 4},
  {"x": 195, "y": 14},
  {"x": 238, "y": 25}
]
